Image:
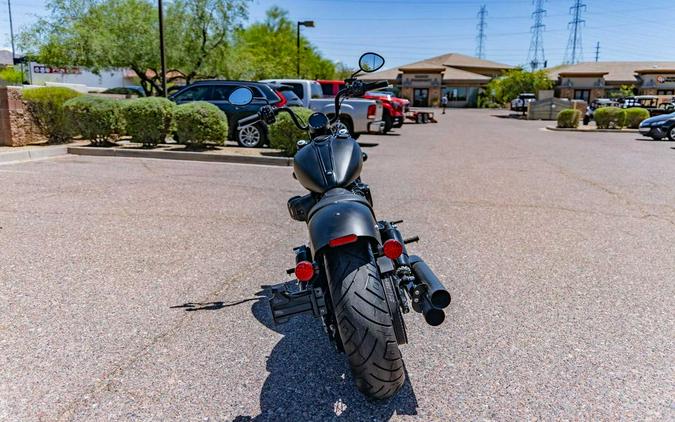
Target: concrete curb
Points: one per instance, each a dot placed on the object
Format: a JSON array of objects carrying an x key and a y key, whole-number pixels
[
  {"x": 37, "y": 153},
  {"x": 564, "y": 129},
  {"x": 181, "y": 155}
]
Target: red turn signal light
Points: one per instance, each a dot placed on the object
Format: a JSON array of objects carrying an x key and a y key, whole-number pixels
[
  {"x": 350, "y": 238},
  {"x": 392, "y": 248},
  {"x": 304, "y": 271}
]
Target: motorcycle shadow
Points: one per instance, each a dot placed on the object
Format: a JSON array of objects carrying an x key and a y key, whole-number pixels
[{"x": 309, "y": 380}]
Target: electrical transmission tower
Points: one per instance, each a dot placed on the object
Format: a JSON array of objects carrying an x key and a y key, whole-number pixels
[
  {"x": 536, "y": 57},
  {"x": 480, "y": 49},
  {"x": 574, "y": 52},
  {"x": 597, "y": 51}
]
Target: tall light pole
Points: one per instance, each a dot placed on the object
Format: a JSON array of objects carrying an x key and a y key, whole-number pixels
[
  {"x": 309, "y": 24},
  {"x": 161, "y": 48},
  {"x": 11, "y": 29}
]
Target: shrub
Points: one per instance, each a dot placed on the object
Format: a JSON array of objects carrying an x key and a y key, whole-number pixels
[
  {"x": 11, "y": 76},
  {"x": 46, "y": 107},
  {"x": 569, "y": 118},
  {"x": 98, "y": 119},
  {"x": 200, "y": 123},
  {"x": 148, "y": 120},
  {"x": 284, "y": 135},
  {"x": 635, "y": 116},
  {"x": 610, "y": 118}
]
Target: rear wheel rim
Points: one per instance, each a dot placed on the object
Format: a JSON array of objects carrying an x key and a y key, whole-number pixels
[
  {"x": 672, "y": 133},
  {"x": 339, "y": 126},
  {"x": 249, "y": 136}
]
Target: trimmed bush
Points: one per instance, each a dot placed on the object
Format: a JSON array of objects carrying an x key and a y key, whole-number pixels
[
  {"x": 635, "y": 116},
  {"x": 199, "y": 123},
  {"x": 46, "y": 107},
  {"x": 284, "y": 135},
  {"x": 148, "y": 120},
  {"x": 569, "y": 118},
  {"x": 610, "y": 117},
  {"x": 97, "y": 119}
]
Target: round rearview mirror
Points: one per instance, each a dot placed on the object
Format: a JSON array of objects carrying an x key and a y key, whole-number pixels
[
  {"x": 241, "y": 96},
  {"x": 370, "y": 62}
]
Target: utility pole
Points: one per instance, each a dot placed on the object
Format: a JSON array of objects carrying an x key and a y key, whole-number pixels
[
  {"x": 597, "y": 51},
  {"x": 574, "y": 52},
  {"x": 308, "y": 24},
  {"x": 11, "y": 29},
  {"x": 536, "y": 55},
  {"x": 162, "y": 56},
  {"x": 480, "y": 50}
]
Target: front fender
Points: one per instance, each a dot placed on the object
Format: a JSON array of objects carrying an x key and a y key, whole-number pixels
[{"x": 341, "y": 219}]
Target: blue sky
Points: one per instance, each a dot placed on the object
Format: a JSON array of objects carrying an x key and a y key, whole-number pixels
[{"x": 406, "y": 31}]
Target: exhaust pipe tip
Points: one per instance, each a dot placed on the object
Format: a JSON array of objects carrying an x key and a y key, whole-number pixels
[
  {"x": 440, "y": 299},
  {"x": 434, "y": 316}
]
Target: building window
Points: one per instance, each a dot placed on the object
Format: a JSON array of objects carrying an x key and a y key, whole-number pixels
[
  {"x": 665, "y": 92},
  {"x": 582, "y": 94},
  {"x": 454, "y": 93}
]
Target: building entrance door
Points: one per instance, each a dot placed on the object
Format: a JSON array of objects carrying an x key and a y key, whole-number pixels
[{"x": 421, "y": 97}]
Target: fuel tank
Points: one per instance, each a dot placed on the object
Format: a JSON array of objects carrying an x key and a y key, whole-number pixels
[{"x": 328, "y": 162}]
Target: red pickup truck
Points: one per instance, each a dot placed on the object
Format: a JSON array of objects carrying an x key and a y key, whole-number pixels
[{"x": 394, "y": 108}]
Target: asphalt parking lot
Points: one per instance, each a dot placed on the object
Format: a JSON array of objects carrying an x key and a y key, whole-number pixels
[{"x": 128, "y": 286}]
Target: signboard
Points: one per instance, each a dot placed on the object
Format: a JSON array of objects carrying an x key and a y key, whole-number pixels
[
  {"x": 38, "y": 68},
  {"x": 665, "y": 79}
]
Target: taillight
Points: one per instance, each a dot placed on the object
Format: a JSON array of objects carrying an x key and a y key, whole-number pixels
[
  {"x": 392, "y": 248},
  {"x": 304, "y": 271},
  {"x": 282, "y": 98},
  {"x": 350, "y": 238},
  {"x": 372, "y": 110}
]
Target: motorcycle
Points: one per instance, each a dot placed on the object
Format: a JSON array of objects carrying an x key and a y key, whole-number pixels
[{"x": 355, "y": 274}]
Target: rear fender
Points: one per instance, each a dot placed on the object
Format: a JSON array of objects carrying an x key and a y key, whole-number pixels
[{"x": 341, "y": 219}]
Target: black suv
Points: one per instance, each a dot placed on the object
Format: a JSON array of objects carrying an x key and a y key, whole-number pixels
[{"x": 217, "y": 92}]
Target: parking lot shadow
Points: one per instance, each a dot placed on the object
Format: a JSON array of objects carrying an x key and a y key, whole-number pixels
[
  {"x": 653, "y": 140},
  {"x": 309, "y": 380}
]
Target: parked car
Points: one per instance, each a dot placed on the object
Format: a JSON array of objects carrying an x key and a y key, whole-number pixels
[
  {"x": 520, "y": 103},
  {"x": 648, "y": 102},
  {"x": 128, "y": 91},
  {"x": 659, "y": 127},
  {"x": 287, "y": 95},
  {"x": 356, "y": 115},
  {"x": 596, "y": 104},
  {"x": 217, "y": 92},
  {"x": 665, "y": 108}
]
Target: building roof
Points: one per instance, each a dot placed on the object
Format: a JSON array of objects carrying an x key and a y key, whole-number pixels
[
  {"x": 452, "y": 65},
  {"x": 615, "y": 71},
  {"x": 6, "y": 57}
]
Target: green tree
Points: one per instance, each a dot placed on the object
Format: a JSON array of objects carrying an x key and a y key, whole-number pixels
[
  {"x": 105, "y": 34},
  {"x": 516, "y": 81},
  {"x": 268, "y": 50}
]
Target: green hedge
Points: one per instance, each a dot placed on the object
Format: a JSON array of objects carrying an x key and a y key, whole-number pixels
[
  {"x": 148, "y": 120},
  {"x": 610, "y": 118},
  {"x": 199, "y": 123},
  {"x": 635, "y": 116},
  {"x": 98, "y": 119},
  {"x": 46, "y": 107},
  {"x": 569, "y": 118},
  {"x": 284, "y": 135}
]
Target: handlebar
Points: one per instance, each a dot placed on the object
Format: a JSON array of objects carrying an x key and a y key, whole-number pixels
[{"x": 252, "y": 118}]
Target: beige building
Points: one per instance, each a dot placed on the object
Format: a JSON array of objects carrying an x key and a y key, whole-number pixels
[
  {"x": 456, "y": 76},
  {"x": 588, "y": 81}
]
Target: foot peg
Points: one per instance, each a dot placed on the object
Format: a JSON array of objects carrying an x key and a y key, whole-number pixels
[{"x": 286, "y": 303}]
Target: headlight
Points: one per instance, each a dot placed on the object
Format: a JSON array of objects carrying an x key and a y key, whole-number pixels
[{"x": 645, "y": 124}]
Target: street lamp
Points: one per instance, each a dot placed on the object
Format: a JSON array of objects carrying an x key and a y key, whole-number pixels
[
  {"x": 309, "y": 24},
  {"x": 162, "y": 57}
]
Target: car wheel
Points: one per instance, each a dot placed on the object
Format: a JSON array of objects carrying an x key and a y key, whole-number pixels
[
  {"x": 388, "y": 122},
  {"x": 251, "y": 136},
  {"x": 671, "y": 133},
  {"x": 345, "y": 124}
]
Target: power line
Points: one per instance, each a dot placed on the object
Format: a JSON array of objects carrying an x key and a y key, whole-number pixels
[
  {"x": 574, "y": 52},
  {"x": 480, "y": 50},
  {"x": 536, "y": 57}
]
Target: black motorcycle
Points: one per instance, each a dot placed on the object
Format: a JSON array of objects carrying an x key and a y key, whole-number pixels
[{"x": 356, "y": 274}]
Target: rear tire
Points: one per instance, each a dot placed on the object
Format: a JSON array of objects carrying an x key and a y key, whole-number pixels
[
  {"x": 252, "y": 136},
  {"x": 364, "y": 321},
  {"x": 671, "y": 134},
  {"x": 388, "y": 121}
]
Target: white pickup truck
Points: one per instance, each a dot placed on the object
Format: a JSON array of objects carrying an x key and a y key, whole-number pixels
[{"x": 356, "y": 115}]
